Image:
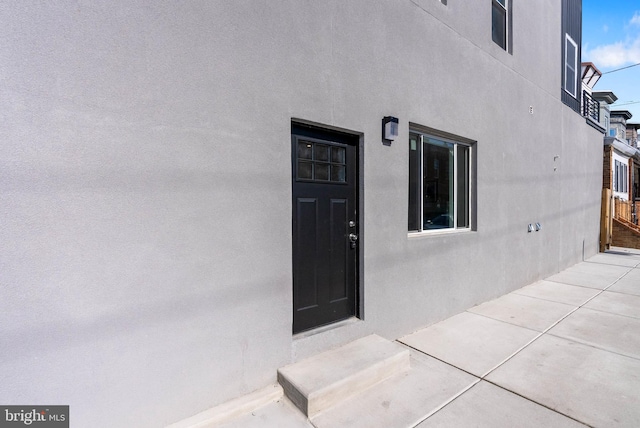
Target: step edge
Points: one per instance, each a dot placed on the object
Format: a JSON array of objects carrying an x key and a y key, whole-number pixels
[
  {"x": 293, "y": 392},
  {"x": 291, "y": 370},
  {"x": 391, "y": 366}
]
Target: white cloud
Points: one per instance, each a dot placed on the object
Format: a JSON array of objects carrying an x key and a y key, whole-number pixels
[
  {"x": 615, "y": 54},
  {"x": 618, "y": 54}
]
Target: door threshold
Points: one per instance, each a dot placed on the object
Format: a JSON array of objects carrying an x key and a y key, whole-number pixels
[{"x": 327, "y": 327}]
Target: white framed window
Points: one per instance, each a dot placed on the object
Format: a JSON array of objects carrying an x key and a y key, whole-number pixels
[
  {"x": 500, "y": 23},
  {"x": 439, "y": 183},
  {"x": 620, "y": 177},
  {"x": 570, "y": 83}
]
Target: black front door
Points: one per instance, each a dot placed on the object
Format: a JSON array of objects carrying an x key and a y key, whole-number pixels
[{"x": 325, "y": 231}]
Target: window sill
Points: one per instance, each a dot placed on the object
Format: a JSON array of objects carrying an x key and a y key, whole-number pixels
[{"x": 438, "y": 232}]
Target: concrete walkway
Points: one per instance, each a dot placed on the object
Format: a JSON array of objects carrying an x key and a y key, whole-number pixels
[{"x": 563, "y": 352}]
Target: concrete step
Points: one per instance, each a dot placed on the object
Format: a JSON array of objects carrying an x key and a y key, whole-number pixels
[{"x": 321, "y": 381}]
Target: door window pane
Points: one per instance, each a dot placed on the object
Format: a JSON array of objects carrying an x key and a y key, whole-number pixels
[
  {"x": 337, "y": 154},
  {"x": 304, "y": 150},
  {"x": 305, "y": 170},
  {"x": 321, "y": 153},
  {"x": 321, "y": 162},
  {"x": 338, "y": 173},
  {"x": 321, "y": 172}
]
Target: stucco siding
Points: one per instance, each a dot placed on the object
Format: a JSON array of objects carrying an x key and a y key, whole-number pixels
[{"x": 145, "y": 185}]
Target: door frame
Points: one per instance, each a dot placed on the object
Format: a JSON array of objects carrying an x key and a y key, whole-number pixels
[{"x": 325, "y": 131}]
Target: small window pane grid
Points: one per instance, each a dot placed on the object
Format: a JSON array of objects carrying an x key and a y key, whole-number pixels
[
  {"x": 499, "y": 23},
  {"x": 321, "y": 162},
  {"x": 570, "y": 65},
  {"x": 439, "y": 184}
]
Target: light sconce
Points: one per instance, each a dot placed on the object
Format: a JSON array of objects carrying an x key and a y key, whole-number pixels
[
  {"x": 530, "y": 228},
  {"x": 389, "y": 128},
  {"x": 538, "y": 227}
]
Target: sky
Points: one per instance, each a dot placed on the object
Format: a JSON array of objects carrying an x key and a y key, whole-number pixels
[{"x": 611, "y": 40}]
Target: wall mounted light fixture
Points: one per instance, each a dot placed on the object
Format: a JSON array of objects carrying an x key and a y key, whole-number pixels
[{"x": 389, "y": 128}]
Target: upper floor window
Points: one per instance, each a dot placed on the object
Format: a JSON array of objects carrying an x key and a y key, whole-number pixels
[
  {"x": 571, "y": 54},
  {"x": 570, "y": 83},
  {"x": 439, "y": 183},
  {"x": 500, "y": 23}
]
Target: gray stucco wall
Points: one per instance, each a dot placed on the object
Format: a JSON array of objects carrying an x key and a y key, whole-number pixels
[{"x": 145, "y": 185}]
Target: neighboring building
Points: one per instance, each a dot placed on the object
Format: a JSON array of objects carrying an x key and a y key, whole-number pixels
[
  {"x": 197, "y": 193},
  {"x": 632, "y": 134},
  {"x": 591, "y": 106},
  {"x": 621, "y": 161},
  {"x": 622, "y": 154},
  {"x": 632, "y": 138},
  {"x": 605, "y": 99},
  {"x": 621, "y": 173}
]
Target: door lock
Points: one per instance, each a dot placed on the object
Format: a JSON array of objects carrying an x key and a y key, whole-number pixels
[{"x": 353, "y": 238}]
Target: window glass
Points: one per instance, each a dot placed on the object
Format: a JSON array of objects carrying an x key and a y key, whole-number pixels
[
  {"x": 305, "y": 170},
  {"x": 625, "y": 179},
  {"x": 463, "y": 186},
  {"x": 304, "y": 150},
  {"x": 570, "y": 66},
  {"x": 571, "y": 39},
  {"x": 338, "y": 173},
  {"x": 321, "y": 172},
  {"x": 321, "y": 153},
  {"x": 499, "y": 23},
  {"x": 337, "y": 154},
  {"x": 415, "y": 205},
  {"x": 437, "y": 175},
  {"x": 439, "y": 183}
]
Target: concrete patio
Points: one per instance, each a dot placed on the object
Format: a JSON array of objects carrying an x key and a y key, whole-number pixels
[{"x": 563, "y": 352}]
